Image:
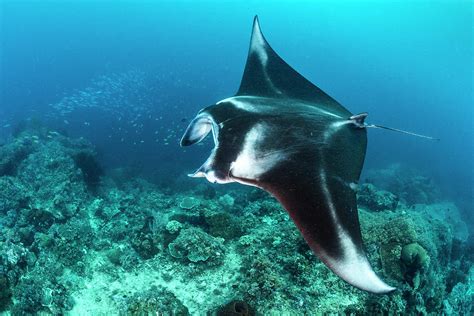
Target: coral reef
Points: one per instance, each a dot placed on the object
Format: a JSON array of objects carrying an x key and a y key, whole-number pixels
[
  {"x": 75, "y": 240},
  {"x": 44, "y": 230}
]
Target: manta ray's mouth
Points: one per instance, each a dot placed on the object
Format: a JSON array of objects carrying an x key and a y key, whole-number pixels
[{"x": 197, "y": 130}]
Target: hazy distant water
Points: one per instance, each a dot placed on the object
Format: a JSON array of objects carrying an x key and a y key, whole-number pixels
[{"x": 409, "y": 64}]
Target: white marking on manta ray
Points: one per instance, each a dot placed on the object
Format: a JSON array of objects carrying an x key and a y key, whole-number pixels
[
  {"x": 328, "y": 113},
  {"x": 257, "y": 46},
  {"x": 353, "y": 267},
  {"x": 251, "y": 163},
  {"x": 258, "y": 42},
  {"x": 215, "y": 133},
  {"x": 352, "y": 185},
  {"x": 333, "y": 128},
  {"x": 242, "y": 102}
]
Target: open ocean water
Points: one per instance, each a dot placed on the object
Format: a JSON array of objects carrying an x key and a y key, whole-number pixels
[{"x": 99, "y": 217}]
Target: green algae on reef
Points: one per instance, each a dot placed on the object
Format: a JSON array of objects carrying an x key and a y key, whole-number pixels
[{"x": 75, "y": 240}]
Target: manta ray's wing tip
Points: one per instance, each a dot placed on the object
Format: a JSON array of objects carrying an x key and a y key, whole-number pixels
[
  {"x": 388, "y": 289},
  {"x": 354, "y": 268},
  {"x": 359, "y": 273},
  {"x": 383, "y": 288},
  {"x": 256, "y": 25},
  {"x": 374, "y": 284}
]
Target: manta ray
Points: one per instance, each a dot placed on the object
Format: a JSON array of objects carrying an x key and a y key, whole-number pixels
[{"x": 283, "y": 134}]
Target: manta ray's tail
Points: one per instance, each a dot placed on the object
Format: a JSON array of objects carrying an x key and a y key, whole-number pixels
[
  {"x": 401, "y": 131},
  {"x": 359, "y": 122}
]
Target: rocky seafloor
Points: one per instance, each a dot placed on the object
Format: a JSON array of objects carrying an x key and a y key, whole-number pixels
[{"x": 76, "y": 241}]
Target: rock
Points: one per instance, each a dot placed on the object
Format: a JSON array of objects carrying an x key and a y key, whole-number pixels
[
  {"x": 155, "y": 301},
  {"x": 375, "y": 199},
  {"x": 406, "y": 183},
  {"x": 173, "y": 226},
  {"x": 415, "y": 257},
  {"x": 188, "y": 203},
  {"x": 12, "y": 155},
  {"x": 13, "y": 194},
  {"x": 226, "y": 201},
  {"x": 235, "y": 308},
  {"x": 415, "y": 261},
  {"x": 460, "y": 300},
  {"x": 195, "y": 245},
  {"x": 221, "y": 224}
]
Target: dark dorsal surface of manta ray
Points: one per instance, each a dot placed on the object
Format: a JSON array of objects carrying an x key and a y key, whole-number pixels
[{"x": 284, "y": 135}]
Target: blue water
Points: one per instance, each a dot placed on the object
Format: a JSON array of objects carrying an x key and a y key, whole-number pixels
[
  {"x": 129, "y": 76},
  {"x": 409, "y": 64}
]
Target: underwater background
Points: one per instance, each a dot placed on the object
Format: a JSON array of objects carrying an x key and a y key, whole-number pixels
[{"x": 97, "y": 215}]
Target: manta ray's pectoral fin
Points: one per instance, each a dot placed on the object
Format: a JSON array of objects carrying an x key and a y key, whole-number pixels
[
  {"x": 267, "y": 75},
  {"x": 324, "y": 210},
  {"x": 317, "y": 186}
]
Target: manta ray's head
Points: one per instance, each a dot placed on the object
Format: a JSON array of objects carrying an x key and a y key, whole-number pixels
[
  {"x": 228, "y": 137},
  {"x": 198, "y": 129}
]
